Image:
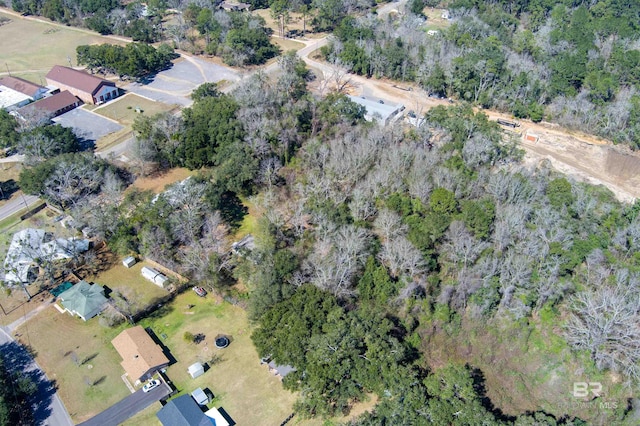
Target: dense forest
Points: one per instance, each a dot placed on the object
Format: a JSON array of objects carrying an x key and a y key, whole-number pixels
[
  {"x": 135, "y": 60},
  {"x": 372, "y": 239},
  {"x": 572, "y": 63}
]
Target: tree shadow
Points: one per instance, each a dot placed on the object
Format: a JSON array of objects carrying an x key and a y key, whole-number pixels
[
  {"x": 89, "y": 358},
  {"x": 479, "y": 386},
  {"x": 18, "y": 360},
  {"x": 8, "y": 188}
]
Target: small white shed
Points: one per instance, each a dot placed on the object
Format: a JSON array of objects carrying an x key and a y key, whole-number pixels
[
  {"x": 128, "y": 262},
  {"x": 154, "y": 276},
  {"x": 196, "y": 370}
]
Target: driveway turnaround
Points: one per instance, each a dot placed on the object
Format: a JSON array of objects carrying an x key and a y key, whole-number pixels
[
  {"x": 128, "y": 407},
  {"x": 174, "y": 85}
]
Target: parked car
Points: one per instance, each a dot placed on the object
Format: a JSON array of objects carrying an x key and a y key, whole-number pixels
[
  {"x": 151, "y": 385},
  {"x": 200, "y": 291}
]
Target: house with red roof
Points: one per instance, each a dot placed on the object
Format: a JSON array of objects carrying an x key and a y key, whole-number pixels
[
  {"x": 89, "y": 88},
  {"x": 32, "y": 90}
]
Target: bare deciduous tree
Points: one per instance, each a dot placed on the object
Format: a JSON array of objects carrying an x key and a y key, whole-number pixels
[{"x": 605, "y": 322}]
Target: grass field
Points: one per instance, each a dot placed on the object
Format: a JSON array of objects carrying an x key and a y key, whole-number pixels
[
  {"x": 131, "y": 284},
  {"x": 435, "y": 21},
  {"x": 90, "y": 387},
  {"x": 295, "y": 23},
  {"x": 244, "y": 388},
  {"x": 157, "y": 183},
  {"x": 31, "y": 48},
  {"x": 123, "y": 110}
]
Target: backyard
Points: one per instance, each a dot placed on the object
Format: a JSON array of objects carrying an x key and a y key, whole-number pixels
[
  {"x": 129, "y": 282},
  {"x": 244, "y": 388}
]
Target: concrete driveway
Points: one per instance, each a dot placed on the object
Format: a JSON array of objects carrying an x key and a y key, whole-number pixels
[
  {"x": 87, "y": 125},
  {"x": 128, "y": 407}
]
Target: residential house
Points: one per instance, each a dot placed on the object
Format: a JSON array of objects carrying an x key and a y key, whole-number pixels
[
  {"x": 184, "y": 411},
  {"x": 141, "y": 356},
  {"x": 89, "y": 88},
  {"x": 84, "y": 300},
  {"x": 30, "y": 247}
]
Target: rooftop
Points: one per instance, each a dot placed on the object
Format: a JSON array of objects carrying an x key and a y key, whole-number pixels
[
  {"x": 376, "y": 109},
  {"x": 83, "y": 298},
  {"x": 74, "y": 78},
  {"x": 138, "y": 351},
  {"x": 183, "y": 411},
  {"x": 53, "y": 103},
  {"x": 21, "y": 85},
  {"x": 10, "y": 97}
]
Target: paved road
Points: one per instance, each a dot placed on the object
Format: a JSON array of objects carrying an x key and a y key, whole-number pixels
[
  {"x": 47, "y": 407},
  {"x": 128, "y": 407},
  {"x": 117, "y": 150},
  {"x": 18, "y": 203}
]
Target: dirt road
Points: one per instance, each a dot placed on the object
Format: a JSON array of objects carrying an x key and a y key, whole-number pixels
[{"x": 584, "y": 157}]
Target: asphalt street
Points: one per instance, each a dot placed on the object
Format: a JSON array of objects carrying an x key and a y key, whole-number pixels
[
  {"x": 18, "y": 203},
  {"x": 128, "y": 407}
]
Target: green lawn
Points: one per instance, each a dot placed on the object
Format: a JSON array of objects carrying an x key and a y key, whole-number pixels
[
  {"x": 29, "y": 49},
  {"x": 244, "y": 388},
  {"x": 130, "y": 283},
  {"x": 90, "y": 387},
  {"x": 123, "y": 109}
]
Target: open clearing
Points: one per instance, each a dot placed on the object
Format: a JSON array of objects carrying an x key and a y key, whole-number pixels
[
  {"x": 93, "y": 383},
  {"x": 157, "y": 183},
  {"x": 30, "y": 48}
]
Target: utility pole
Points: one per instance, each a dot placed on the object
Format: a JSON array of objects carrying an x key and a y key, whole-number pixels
[{"x": 9, "y": 72}]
